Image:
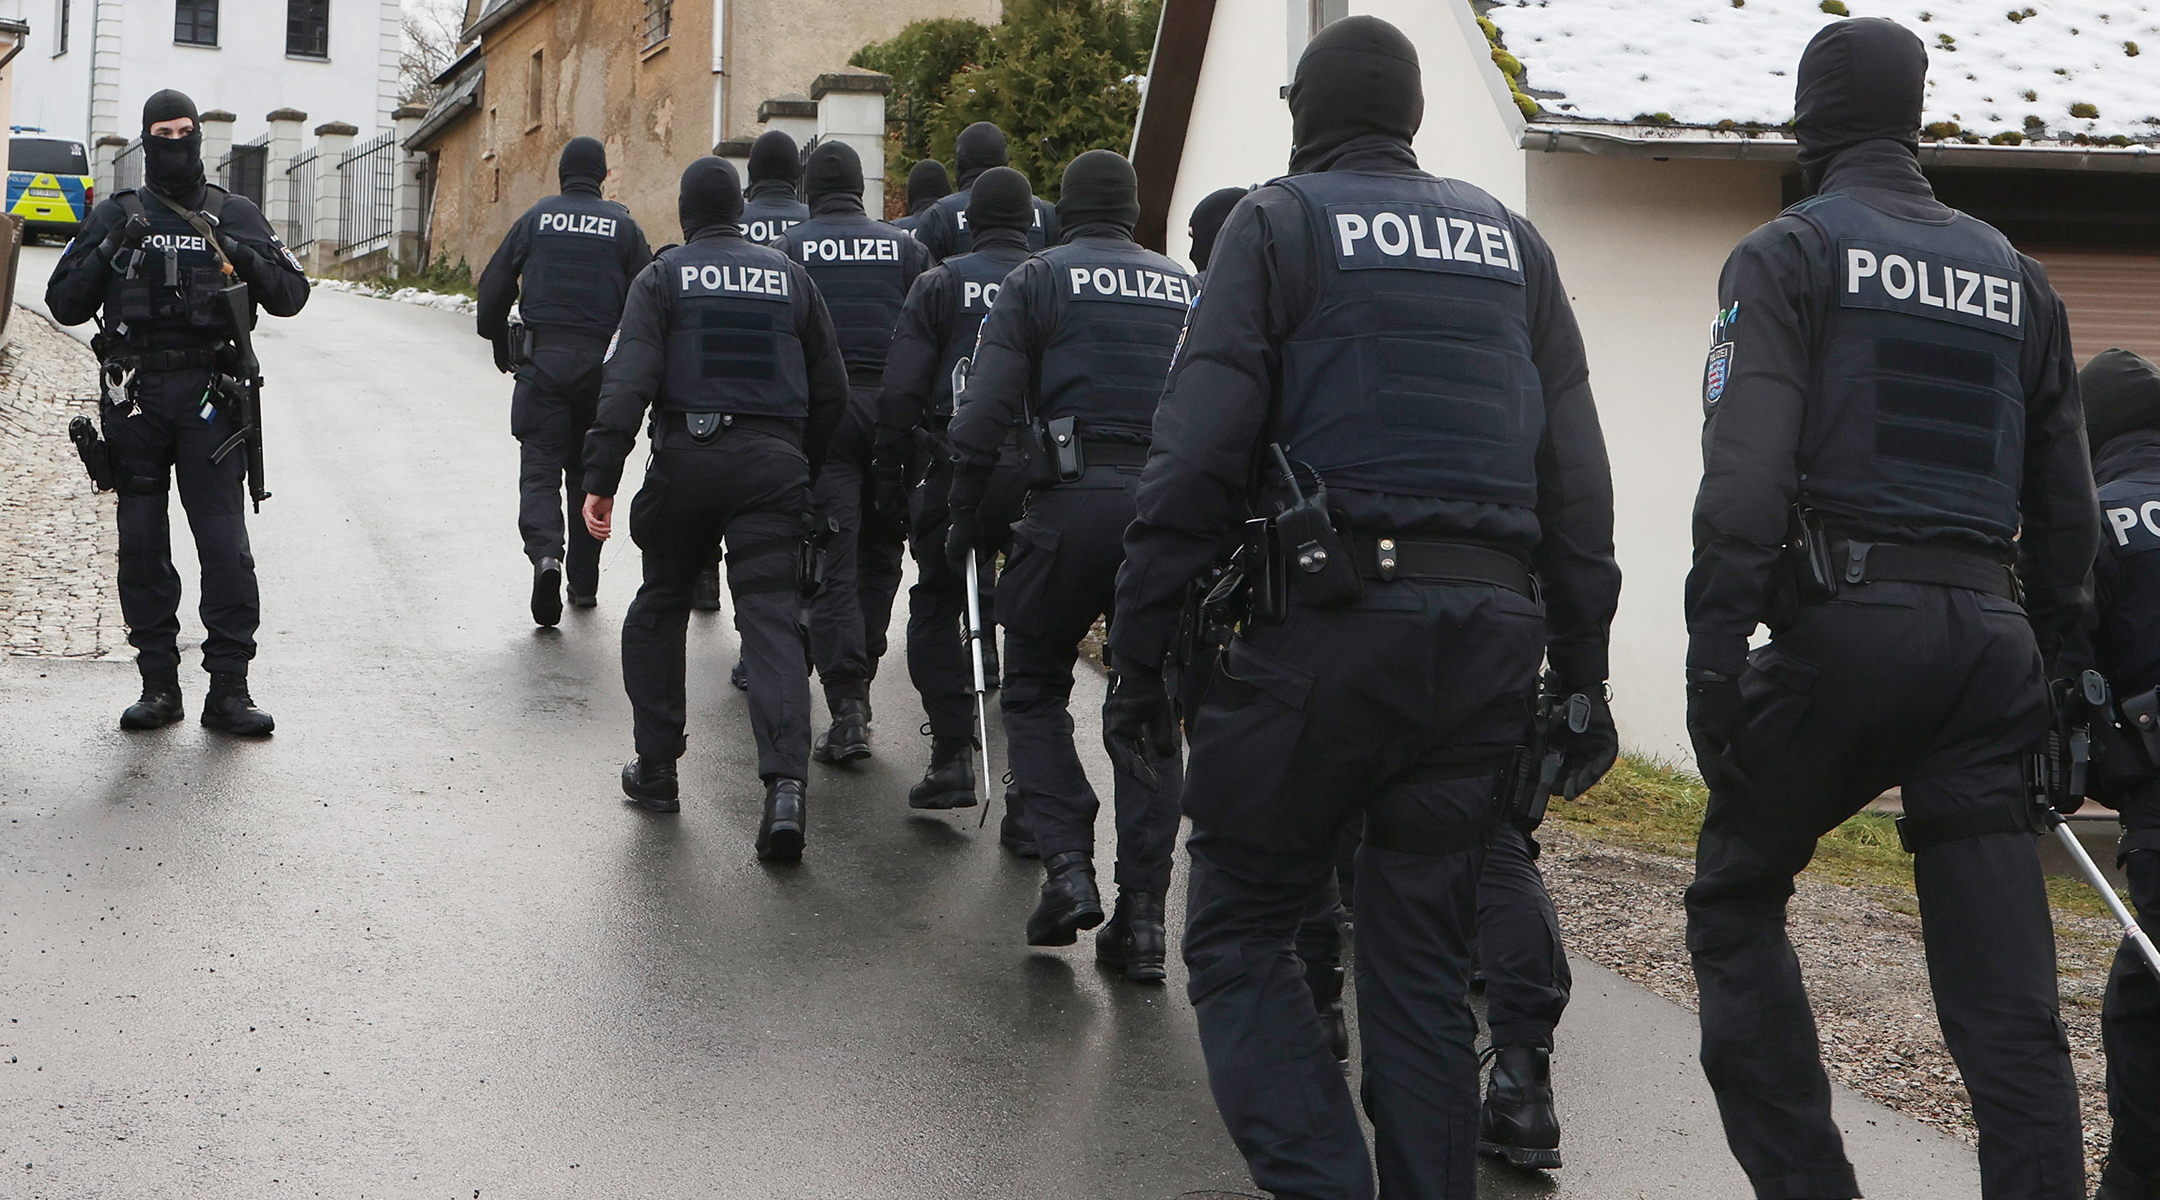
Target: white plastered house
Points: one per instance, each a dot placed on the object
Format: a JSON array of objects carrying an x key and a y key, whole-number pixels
[{"x": 1644, "y": 138}]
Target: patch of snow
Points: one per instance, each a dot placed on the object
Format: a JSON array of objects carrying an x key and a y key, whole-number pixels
[
  {"x": 404, "y": 295},
  {"x": 1706, "y": 61}
]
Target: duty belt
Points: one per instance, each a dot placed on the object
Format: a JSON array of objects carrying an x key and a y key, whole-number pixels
[
  {"x": 1884, "y": 562},
  {"x": 1112, "y": 454},
  {"x": 200, "y": 358},
  {"x": 1387, "y": 557},
  {"x": 705, "y": 428}
]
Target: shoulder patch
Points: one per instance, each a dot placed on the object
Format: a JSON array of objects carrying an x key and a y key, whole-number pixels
[
  {"x": 1717, "y": 370},
  {"x": 614, "y": 339}
]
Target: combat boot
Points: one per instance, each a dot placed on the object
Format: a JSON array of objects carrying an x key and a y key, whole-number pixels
[
  {"x": 228, "y": 707},
  {"x": 849, "y": 738},
  {"x": 1069, "y": 901},
  {"x": 2119, "y": 1182},
  {"x": 547, "y": 593},
  {"x": 652, "y": 785},
  {"x": 1325, "y": 981},
  {"x": 705, "y": 592},
  {"x": 1134, "y": 938},
  {"x": 160, "y": 704},
  {"x": 1014, "y": 832},
  {"x": 780, "y": 834},
  {"x": 739, "y": 678},
  {"x": 950, "y": 781},
  {"x": 1518, "y": 1122}
]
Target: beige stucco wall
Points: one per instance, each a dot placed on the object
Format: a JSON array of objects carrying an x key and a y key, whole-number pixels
[{"x": 776, "y": 47}]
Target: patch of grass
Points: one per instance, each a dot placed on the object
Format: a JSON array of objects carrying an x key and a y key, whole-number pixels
[{"x": 438, "y": 276}]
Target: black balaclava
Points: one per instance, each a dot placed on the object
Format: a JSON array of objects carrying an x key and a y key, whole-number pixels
[
  {"x": 774, "y": 156},
  {"x": 834, "y": 170},
  {"x": 979, "y": 147},
  {"x": 927, "y": 184},
  {"x": 1860, "y": 80},
  {"x": 2122, "y": 395},
  {"x": 711, "y": 195},
  {"x": 1001, "y": 199},
  {"x": 1207, "y": 220},
  {"x": 583, "y": 166},
  {"x": 1099, "y": 189},
  {"x": 1357, "y": 78},
  {"x": 172, "y": 166}
]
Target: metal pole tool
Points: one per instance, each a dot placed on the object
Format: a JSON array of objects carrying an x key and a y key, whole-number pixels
[
  {"x": 2091, "y": 871},
  {"x": 982, "y": 691}
]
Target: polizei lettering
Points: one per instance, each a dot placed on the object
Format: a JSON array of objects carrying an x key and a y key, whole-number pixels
[
  {"x": 978, "y": 296},
  {"x": 1133, "y": 285},
  {"x": 1423, "y": 237},
  {"x": 1903, "y": 280},
  {"x": 175, "y": 241},
  {"x": 765, "y": 229},
  {"x": 740, "y": 281},
  {"x": 960, "y": 218},
  {"x": 851, "y": 250},
  {"x": 586, "y": 223}
]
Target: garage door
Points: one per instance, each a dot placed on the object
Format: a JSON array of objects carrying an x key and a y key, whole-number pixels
[{"x": 2113, "y": 297}]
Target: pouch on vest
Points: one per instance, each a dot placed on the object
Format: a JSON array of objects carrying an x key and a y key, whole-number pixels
[
  {"x": 1815, "y": 576},
  {"x": 1315, "y": 559},
  {"x": 1064, "y": 440}
]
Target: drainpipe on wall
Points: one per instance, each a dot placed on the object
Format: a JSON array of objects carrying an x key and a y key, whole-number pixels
[{"x": 719, "y": 70}]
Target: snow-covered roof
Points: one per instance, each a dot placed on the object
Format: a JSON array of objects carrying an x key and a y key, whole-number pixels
[{"x": 1998, "y": 69}]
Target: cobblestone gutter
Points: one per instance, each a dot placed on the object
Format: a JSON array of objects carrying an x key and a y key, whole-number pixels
[{"x": 58, "y": 545}]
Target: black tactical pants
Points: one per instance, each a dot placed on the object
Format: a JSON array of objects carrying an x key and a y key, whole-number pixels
[
  {"x": 747, "y": 490},
  {"x": 853, "y": 609},
  {"x": 937, "y": 650},
  {"x": 2130, "y": 1016},
  {"x": 1060, "y": 576},
  {"x": 1939, "y": 690},
  {"x": 1404, "y": 705},
  {"x": 553, "y": 405},
  {"x": 164, "y": 439}
]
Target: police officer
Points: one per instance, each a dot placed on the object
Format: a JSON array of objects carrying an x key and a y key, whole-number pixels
[
  {"x": 740, "y": 424},
  {"x": 1207, "y": 220},
  {"x": 864, "y": 269},
  {"x": 943, "y": 226},
  {"x": 156, "y": 260},
  {"x": 927, "y": 183},
  {"x": 1080, "y": 339},
  {"x": 2122, "y": 418},
  {"x": 567, "y": 263},
  {"x": 1443, "y": 401},
  {"x": 937, "y": 329},
  {"x": 1892, "y": 382},
  {"x": 770, "y": 208}
]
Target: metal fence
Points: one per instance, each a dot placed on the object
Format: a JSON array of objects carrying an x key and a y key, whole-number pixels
[
  {"x": 128, "y": 167},
  {"x": 300, "y": 181},
  {"x": 369, "y": 174},
  {"x": 243, "y": 168}
]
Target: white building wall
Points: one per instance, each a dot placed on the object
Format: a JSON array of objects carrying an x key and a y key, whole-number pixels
[{"x": 247, "y": 73}]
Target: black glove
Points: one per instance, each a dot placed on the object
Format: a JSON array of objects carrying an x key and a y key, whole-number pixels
[
  {"x": 1138, "y": 726},
  {"x": 502, "y": 353},
  {"x": 1587, "y": 755},
  {"x": 1714, "y": 712},
  {"x": 962, "y": 536},
  {"x": 126, "y": 235}
]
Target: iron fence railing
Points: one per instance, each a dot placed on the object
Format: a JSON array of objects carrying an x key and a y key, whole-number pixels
[
  {"x": 128, "y": 167},
  {"x": 243, "y": 167},
  {"x": 300, "y": 180},
  {"x": 369, "y": 174}
]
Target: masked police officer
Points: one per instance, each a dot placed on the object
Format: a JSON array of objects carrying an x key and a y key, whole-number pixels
[
  {"x": 864, "y": 269},
  {"x": 771, "y": 207},
  {"x": 2121, "y": 392},
  {"x": 740, "y": 424},
  {"x": 937, "y": 329},
  {"x": 1441, "y": 398},
  {"x": 567, "y": 263},
  {"x": 1080, "y": 339},
  {"x": 1890, "y": 393},
  {"x": 927, "y": 183},
  {"x": 943, "y": 226},
  {"x": 157, "y": 260}
]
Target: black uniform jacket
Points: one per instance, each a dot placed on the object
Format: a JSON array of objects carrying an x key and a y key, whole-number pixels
[
  {"x": 1225, "y": 385},
  {"x": 637, "y": 363},
  {"x": 499, "y": 281},
  {"x": 917, "y": 374},
  {"x": 276, "y": 284},
  {"x": 1783, "y": 280}
]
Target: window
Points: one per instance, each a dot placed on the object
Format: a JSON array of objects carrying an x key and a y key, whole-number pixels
[
  {"x": 1327, "y": 12},
  {"x": 307, "y": 28},
  {"x": 60, "y": 22},
  {"x": 659, "y": 19},
  {"x": 487, "y": 149},
  {"x": 534, "y": 94},
  {"x": 47, "y": 156},
  {"x": 195, "y": 22}
]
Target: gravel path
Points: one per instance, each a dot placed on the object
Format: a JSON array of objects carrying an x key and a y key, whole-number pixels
[
  {"x": 58, "y": 544},
  {"x": 1861, "y": 952}
]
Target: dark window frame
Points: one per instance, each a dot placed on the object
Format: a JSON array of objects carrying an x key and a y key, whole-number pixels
[
  {"x": 189, "y": 19},
  {"x": 60, "y": 18},
  {"x": 307, "y": 29},
  {"x": 659, "y": 21}
]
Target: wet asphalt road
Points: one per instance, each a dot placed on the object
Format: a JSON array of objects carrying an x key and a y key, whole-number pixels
[{"x": 415, "y": 945}]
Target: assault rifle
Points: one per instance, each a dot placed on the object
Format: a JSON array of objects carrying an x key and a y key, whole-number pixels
[{"x": 243, "y": 390}]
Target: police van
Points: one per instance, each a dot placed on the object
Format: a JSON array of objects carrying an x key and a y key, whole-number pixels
[{"x": 48, "y": 183}]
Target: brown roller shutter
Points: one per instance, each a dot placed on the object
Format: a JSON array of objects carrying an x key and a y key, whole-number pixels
[{"x": 2113, "y": 297}]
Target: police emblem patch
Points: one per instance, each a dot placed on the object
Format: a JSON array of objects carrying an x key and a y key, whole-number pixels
[
  {"x": 1716, "y": 371},
  {"x": 292, "y": 258},
  {"x": 613, "y": 338}
]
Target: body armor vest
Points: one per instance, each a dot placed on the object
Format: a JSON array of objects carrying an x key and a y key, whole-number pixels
[
  {"x": 573, "y": 276},
  {"x": 170, "y": 294},
  {"x": 1915, "y": 412},
  {"x": 860, "y": 267},
  {"x": 731, "y": 344},
  {"x": 1411, "y": 373},
  {"x": 1120, "y": 311},
  {"x": 765, "y": 217},
  {"x": 1039, "y": 235},
  {"x": 976, "y": 279},
  {"x": 2130, "y": 536}
]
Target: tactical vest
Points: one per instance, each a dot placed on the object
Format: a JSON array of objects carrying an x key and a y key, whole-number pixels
[
  {"x": 172, "y": 291},
  {"x": 976, "y": 279},
  {"x": 1039, "y": 235},
  {"x": 766, "y": 217},
  {"x": 860, "y": 267},
  {"x": 1411, "y": 373},
  {"x": 2130, "y": 536},
  {"x": 1915, "y": 411},
  {"x": 1120, "y": 311},
  {"x": 731, "y": 344},
  {"x": 574, "y": 274}
]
